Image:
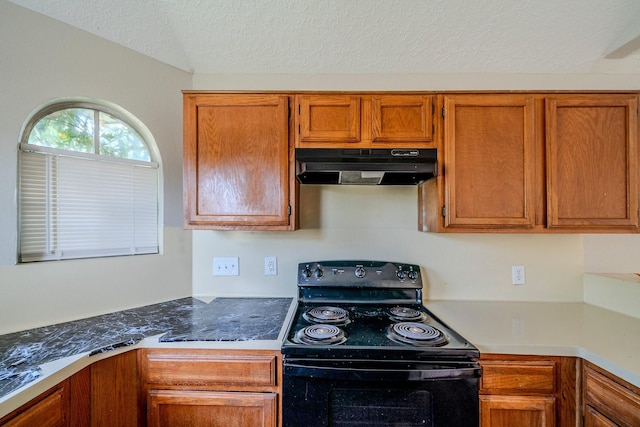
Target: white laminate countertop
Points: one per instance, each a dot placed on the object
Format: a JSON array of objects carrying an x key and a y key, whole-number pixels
[{"x": 606, "y": 338}]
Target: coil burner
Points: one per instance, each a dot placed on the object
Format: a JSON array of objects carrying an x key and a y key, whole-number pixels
[
  {"x": 416, "y": 334},
  {"x": 320, "y": 334},
  {"x": 406, "y": 314},
  {"x": 327, "y": 315}
]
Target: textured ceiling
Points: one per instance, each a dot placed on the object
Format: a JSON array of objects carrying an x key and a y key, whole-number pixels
[{"x": 364, "y": 36}]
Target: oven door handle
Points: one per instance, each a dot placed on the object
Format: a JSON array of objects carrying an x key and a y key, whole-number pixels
[{"x": 364, "y": 373}]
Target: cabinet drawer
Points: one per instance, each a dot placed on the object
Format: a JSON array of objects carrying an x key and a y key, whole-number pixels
[
  {"x": 209, "y": 369},
  {"x": 611, "y": 399},
  {"x": 520, "y": 376}
]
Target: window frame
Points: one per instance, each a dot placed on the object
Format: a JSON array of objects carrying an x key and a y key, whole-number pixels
[{"x": 115, "y": 111}]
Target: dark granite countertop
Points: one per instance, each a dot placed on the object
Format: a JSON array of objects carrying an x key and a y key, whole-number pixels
[{"x": 188, "y": 319}]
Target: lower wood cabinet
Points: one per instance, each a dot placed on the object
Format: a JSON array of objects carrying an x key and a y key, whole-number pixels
[
  {"x": 47, "y": 410},
  {"x": 608, "y": 400},
  {"x": 210, "y": 387},
  {"x": 532, "y": 391},
  {"x": 65, "y": 404},
  {"x": 517, "y": 410},
  {"x": 188, "y": 408}
]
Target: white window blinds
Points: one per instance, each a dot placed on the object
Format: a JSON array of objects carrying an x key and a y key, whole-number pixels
[{"x": 80, "y": 205}]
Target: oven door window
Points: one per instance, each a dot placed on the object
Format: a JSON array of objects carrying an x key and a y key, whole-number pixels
[{"x": 365, "y": 407}]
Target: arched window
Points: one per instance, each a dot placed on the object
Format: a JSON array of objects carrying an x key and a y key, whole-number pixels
[{"x": 88, "y": 184}]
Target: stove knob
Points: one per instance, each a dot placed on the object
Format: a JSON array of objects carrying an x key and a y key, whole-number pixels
[
  {"x": 400, "y": 274},
  {"x": 413, "y": 275},
  {"x": 360, "y": 272},
  {"x": 318, "y": 273},
  {"x": 306, "y": 273}
]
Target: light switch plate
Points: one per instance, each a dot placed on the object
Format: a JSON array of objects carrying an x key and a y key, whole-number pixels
[{"x": 225, "y": 266}]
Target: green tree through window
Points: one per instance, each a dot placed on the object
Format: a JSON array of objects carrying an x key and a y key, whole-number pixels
[{"x": 74, "y": 129}]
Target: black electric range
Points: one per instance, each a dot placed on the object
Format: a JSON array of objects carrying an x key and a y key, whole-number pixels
[{"x": 362, "y": 348}]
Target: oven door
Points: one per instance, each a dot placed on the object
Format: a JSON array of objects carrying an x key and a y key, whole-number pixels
[{"x": 337, "y": 393}]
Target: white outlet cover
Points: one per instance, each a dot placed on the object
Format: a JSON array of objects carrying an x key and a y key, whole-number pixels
[
  {"x": 270, "y": 266},
  {"x": 517, "y": 275}
]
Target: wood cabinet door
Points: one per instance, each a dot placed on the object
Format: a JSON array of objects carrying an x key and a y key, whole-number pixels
[
  {"x": 593, "y": 418},
  {"x": 186, "y": 408},
  {"x": 489, "y": 169},
  {"x": 592, "y": 161},
  {"x": 401, "y": 119},
  {"x": 609, "y": 398},
  {"x": 236, "y": 162},
  {"x": 328, "y": 119},
  {"x": 50, "y": 411},
  {"x": 517, "y": 411}
]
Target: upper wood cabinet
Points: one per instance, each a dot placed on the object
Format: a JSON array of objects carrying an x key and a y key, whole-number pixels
[
  {"x": 592, "y": 161},
  {"x": 364, "y": 121},
  {"x": 489, "y": 146},
  {"x": 535, "y": 163},
  {"x": 238, "y": 162}
]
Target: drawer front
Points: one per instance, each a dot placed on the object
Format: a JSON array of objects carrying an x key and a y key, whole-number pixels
[
  {"x": 518, "y": 376},
  {"x": 204, "y": 369},
  {"x": 611, "y": 399}
]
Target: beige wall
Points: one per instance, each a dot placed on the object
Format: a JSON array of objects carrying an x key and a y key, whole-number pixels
[
  {"x": 380, "y": 223},
  {"x": 42, "y": 59}
]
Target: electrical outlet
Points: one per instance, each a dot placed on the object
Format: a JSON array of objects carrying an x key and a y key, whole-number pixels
[
  {"x": 270, "y": 266},
  {"x": 517, "y": 275},
  {"x": 226, "y": 266}
]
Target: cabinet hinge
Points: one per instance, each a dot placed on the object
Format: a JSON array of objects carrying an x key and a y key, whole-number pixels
[
  {"x": 443, "y": 111},
  {"x": 299, "y": 109},
  {"x": 444, "y": 211},
  {"x": 289, "y": 210}
]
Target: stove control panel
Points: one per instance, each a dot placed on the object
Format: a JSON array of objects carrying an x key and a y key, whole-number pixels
[{"x": 363, "y": 274}]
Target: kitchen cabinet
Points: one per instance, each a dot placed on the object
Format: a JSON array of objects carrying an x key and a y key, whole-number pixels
[
  {"x": 47, "y": 410},
  {"x": 608, "y": 400},
  {"x": 534, "y": 162},
  {"x": 592, "y": 161},
  {"x": 528, "y": 390},
  {"x": 238, "y": 162},
  {"x": 489, "y": 154},
  {"x": 211, "y": 387},
  {"x": 364, "y": 121},
  {"x": 65, "y": 404}
]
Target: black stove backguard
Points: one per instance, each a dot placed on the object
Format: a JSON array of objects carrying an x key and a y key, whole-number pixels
[{"x": 362, "y": 350}]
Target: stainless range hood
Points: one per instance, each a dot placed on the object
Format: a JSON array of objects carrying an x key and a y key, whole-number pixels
[{"x": 365, "y": 167}]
